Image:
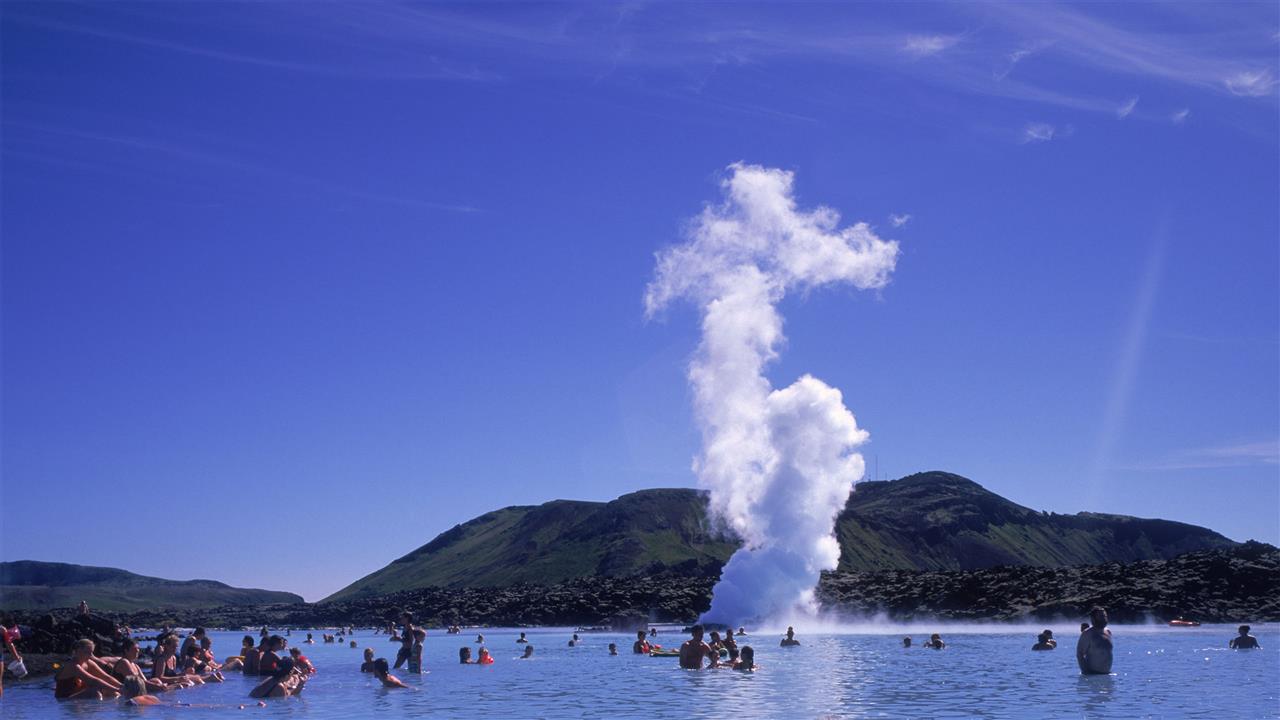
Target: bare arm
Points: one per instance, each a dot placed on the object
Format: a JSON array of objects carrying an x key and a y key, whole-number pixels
[{"x": 1082, "y": 647}]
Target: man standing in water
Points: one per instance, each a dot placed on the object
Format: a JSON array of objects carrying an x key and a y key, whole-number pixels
[
  {"x": 1093, "y": 651},
  {"x": 694, "y": 649},
  {"x": 1244, "y": 641},
  {"x": 406, "y": 639}
]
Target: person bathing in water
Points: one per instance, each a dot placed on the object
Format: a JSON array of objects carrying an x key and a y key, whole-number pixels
[
  {"x": 746, "y": 660},
  {"x": 464, "y": 656},
  {"x": 522, "y": 639},
  {"x": 1045, "y": 641},
  {"x": 935, "y": 642},
  {"x": 1094, "y": 649},
  {"x": 284, "y": 681},
  {"x": 82, "y": 679},
  {"x": 383, "y": 673},
  {"x": 1244, "y": 641},
  {"x": 367, "y": 665},
  {"x": 640, "y": 646},
  {"x": 790, "y": 640},
  {"x": 528, "y": 652},
  {"x": 694, "y": 650}
]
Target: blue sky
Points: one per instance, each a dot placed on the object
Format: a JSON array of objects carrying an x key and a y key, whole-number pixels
[{"x": 290, "y": 288}]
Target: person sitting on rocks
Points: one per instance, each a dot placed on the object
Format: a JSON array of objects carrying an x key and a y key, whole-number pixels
[
  {"x": 694, "y": 649},
  {"x": 640, "y": 646},
  {"x": 1045, "y": 641},
  {"x": 383, "y": 672},
  {"x": 935, "y": 642},
  {"x": 82, "y": 679},
  {"x": 367, "y": 665},
  {"x": 1244, "y": 641},
  {"x": 790, "y": 640},
  {"x": 1094, "y": 649}
]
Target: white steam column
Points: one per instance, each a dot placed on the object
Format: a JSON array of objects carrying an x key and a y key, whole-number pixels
[{"x": 779, "y": 464}]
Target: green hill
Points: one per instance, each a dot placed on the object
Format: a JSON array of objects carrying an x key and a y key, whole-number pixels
[
  {"x": 928, "y": 521},
  {"x": 34, "y": 585}
]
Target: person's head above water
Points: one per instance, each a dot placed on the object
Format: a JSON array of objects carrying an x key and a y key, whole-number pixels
[
  {"x": 640, "y": 635},
  {"x": 368, "y": 654},
  {"x": 528, "y": 651},
  {"x": 1244, "y": 629},
  {"x": 247, "y": 641},
  {"x": 906, "y": 642},
  {"x": 380, "y": 667},
  {"x": 696, "y": 631},
  {"x": 1098, "y": 616},
  {"x": 464, "y": 654},
  {"x": 790, "y": 631},
  {"x": 747, "y": 655}
]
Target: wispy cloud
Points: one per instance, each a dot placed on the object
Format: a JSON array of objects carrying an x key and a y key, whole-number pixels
[
  {"x": 1126, "y": 109},
  {"x": 1227, "y": 455},
  {"x": 899, "y": 220},
  {"x": 1038, "y": 132},
  {"x": 925, "y": 45},
  {"x": 1180, "y": 116},
  {"x": 1252, "y": 83}
]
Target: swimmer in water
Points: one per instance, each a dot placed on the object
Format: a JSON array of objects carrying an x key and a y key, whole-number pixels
[
  {"x": 528, "y": 652},
  {"x": 906, "y": 642},
  {"x": 479, "y": 639},
  {"x": 790, "y": 640},
  {"x": 694, "y": 649},
  {"x": 746, "y": 660},
  {"x": 935, "y": 642},
  {"x": 1094, "y": 649},
  {"x": 640, "y": 646},
  {"x": 283, "y": 682},
  {"x": 485, "y": 658},
  {"x": 1244, "y": 641},
  {"x": 383, "y": 673},
  {"x": 613, "y": 648},
  {"x": 522, "y": 639},
  {"x": 1045, "y": 641},
  {"x": 367, "y": 665},
  {"x": 464, "y": 656}
]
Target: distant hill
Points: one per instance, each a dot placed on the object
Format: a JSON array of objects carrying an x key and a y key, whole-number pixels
[
  {"x": 649, "y": 531},
  {"x": 31, "y": 585},
  {"x": 928, "y": 521},
  {"x": 941, "y": 521}
]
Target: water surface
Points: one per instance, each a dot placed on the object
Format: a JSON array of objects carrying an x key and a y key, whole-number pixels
[{"x": 984, "y": 672}]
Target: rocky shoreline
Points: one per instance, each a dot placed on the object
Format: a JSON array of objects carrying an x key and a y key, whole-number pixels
[{"x": 1240, "y": 584}]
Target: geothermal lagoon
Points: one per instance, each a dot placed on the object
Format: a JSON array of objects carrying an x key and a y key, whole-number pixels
[{"x": 856, "y": 672}]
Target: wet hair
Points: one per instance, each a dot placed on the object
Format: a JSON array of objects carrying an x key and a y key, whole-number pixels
[
  {"x": 464, "y": 653},
  {"x": 1244, "y": 629},
  {"x": 134, "y": 686},
  {"x": 380, "y": 666},
  {"x": 734, "y": 652},
  {"x": 639, "y": 634},
  {"x": 247, "y": 641},
  {"x": 283, "y": 669},
  {"x": 748, "y": 655}
]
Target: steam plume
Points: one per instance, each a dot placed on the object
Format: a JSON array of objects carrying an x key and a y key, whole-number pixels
[{"x": 779, "y": 464}]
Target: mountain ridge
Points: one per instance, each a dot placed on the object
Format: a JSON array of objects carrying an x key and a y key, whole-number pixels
[
  {"x": 930, "y": 521},
  {"x": 37, "y": 584}
]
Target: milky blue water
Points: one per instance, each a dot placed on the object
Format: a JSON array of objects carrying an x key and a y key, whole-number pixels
[{"x": 1160, "y": 672}]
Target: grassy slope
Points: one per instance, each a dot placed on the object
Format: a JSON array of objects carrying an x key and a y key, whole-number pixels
[
  {"x": 929, "y": 521},
  {"x": 30, "y": 584}
]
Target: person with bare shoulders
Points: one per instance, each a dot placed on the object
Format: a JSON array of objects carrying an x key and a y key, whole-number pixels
[
  {"x": 906, "y": 642},
  {"x": 935, "y": 642},
  {"x": 1244, "y": 641},
  {"x": 367, "y": 665},
  {"x": 790, "y": 640},
  {"x": 640, "y": 646},
  {"x": 464, "y": 656},
  {"x": 383, "y": 673},
  {"x": 134, "y": 690},
  {"x": 82, "y": 679},
  {"x": 694, "y": 650},
  {"x": 406, "y": 639},
  {"x": 1045, "y": 641},
  {"x": 284, "y": 681},
  {"x": 746, "y": 660},
  {"x": 126, "y": 666},
  {"x": 1094, "y": 649}
]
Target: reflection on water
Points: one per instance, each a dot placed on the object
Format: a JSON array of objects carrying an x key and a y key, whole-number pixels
[{"x": 1160, "y": 672}]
